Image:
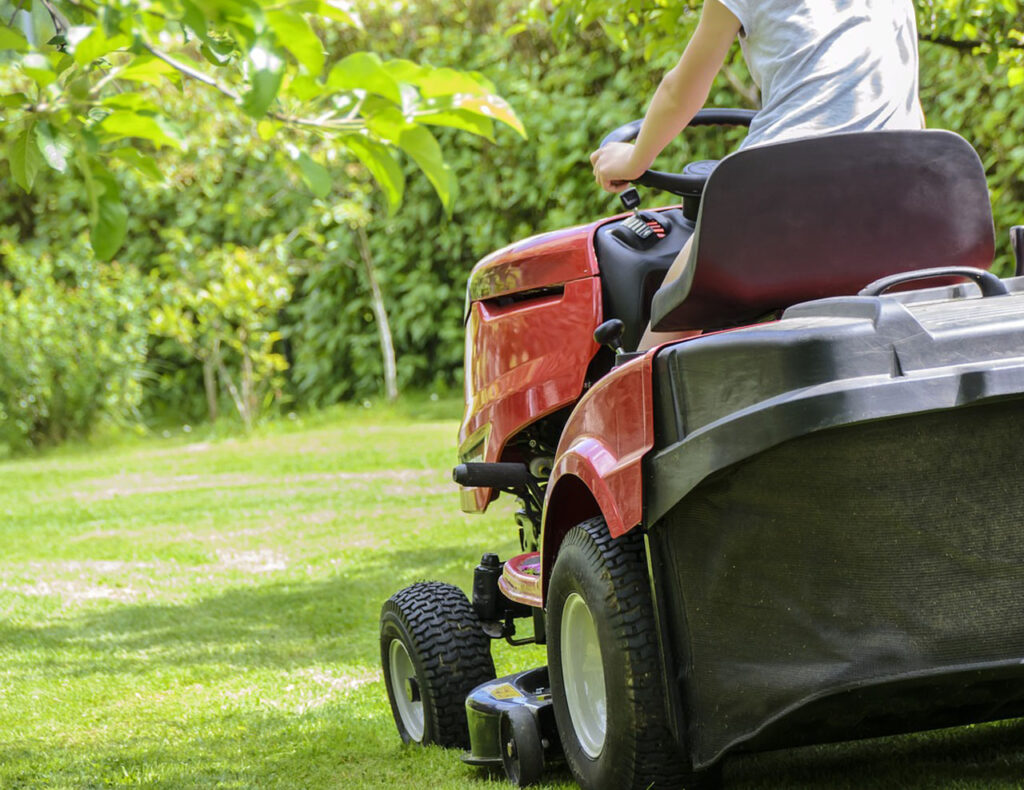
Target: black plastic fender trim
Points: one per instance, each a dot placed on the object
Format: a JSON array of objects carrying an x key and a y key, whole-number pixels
[{"x": 677, "y": 469}]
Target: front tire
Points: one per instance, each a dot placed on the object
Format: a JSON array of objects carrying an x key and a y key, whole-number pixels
[
  {"x": 522, "y": 753},
  {"x": 606, "y": 671},
  {"x": 433, "y": 652}
]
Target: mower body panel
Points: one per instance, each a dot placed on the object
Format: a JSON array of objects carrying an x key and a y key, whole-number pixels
[
  {"x": 531, "y": 314},
  {"x": 602, "y": 448},
  {"x": 486, "y": 703},
  {"x": 537, "y": 263},
  {"x": 534, "y": 374}
]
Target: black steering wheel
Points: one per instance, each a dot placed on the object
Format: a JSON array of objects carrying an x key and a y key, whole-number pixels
[{"x": 686, "y": 184}]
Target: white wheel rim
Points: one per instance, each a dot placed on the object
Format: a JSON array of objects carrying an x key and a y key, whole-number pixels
[
  {"x": 583, "y": 675},
  {"x": 405, "y": 687}
]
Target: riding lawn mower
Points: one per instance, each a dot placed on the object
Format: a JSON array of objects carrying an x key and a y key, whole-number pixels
[{"x": 799, "y": 526}]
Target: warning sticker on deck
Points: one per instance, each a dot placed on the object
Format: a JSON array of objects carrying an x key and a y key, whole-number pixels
[{"x": 504, "y": 691}]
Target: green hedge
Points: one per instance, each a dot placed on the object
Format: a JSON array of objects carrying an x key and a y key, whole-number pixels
[{"x": 567, "y": 99}]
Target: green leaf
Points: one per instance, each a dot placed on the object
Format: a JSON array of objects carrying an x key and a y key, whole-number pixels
[
  {"x": 459, "y": 119},
  {"x": 12, "y": 39},
  {"x": 364, "y": 71},
  {"x": 54, "y": 148},
  {"x": 96, "y": 45},
  {"x": 406, "y": 70},
  {"x": 315, "y": 175},
  {"x": 294, "y": 32},
  {"x": 114, "y": 19},
  {"x": 13, "y": 100},
  {"x": 136, "y": 102},
  {"x": 304, "y": 88},
  {"x": 143, "y": 163},
  {"x": 149, "y": 70},
  {"x": 125, "y": 123},
  {"x": 421, "y": 146},
  {"x": 386, "y": 121},
  {"x": 490, "y": 106},
  {"x": 213, "y": 56},
  {"x": 110, "y": 223},
  {"x": 193, "y": 18},
  {"x": 434, "y": 82},
  {"x": 37, "y": 66},
  {"x": 266, "y": 69},
  {"x": 267, "y": 129},
  {"x": 377, "y": 158},
  {"x": 339, "y": 11},
  {"x": 25, "y": 158}
]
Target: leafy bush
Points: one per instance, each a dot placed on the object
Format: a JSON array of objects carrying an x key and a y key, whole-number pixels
[
  {"x": 74, "y": 344},
  {"x": 221, "y": 309}
]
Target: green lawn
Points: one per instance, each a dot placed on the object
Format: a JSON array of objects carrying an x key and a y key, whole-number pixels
[{"x": 188, "y": 613}]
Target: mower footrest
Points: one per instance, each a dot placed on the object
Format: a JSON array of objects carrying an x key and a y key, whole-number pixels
[{"x": 520, "y": 579}]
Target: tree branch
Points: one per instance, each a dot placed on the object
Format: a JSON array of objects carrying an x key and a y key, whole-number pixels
[
  {"x": 17, "y": 8},
  {"x": 332, "y": 124},
  {"x": 188, "y": 71},
  {"x": 966, "y": 45},
  {"x": 60, "y": 22}
]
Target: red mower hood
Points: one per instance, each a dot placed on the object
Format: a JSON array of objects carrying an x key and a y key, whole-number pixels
[{"x": 543, "y": 261}]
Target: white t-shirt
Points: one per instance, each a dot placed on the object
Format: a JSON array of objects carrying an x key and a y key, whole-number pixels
[{"x": 829, "y": 66}]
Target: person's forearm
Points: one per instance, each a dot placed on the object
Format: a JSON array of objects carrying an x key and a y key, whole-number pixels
[
  {"x": 685, "y": 88},
  {"x": 672, "y": 108}
]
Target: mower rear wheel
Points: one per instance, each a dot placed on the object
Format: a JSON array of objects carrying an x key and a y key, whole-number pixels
[
  {"x": 605, "y": 667},
  {"x": 433, "y": 652}
]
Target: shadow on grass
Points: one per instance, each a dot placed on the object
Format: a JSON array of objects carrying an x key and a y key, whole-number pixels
[
  {"x": 327, "y": 748},
  {"x": 282, "y": 624},
  {"x": 351, "y": 742}
]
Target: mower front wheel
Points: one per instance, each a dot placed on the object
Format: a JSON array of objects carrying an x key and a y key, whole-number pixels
[
  {"x": 522, "y": 752},
  {"x": 433, "y": 652},
  {"x": 605, "y": 668}
]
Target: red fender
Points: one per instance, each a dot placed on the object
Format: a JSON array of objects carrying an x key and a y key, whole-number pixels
[{"x": 598, "y": 465}]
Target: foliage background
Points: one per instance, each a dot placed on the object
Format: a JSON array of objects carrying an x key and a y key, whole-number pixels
[{"x": 234, "y": 197}]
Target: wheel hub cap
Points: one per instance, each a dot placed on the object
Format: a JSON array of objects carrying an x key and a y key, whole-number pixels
[
  {"x": 583, "y": 675},
  {"x": 406, "y": 689}
]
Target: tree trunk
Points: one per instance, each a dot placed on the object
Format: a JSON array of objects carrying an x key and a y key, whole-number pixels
[
  {"x": 210, "y": 385},
  {"x": 248, "y": 383},
  {"x": 225, "y": 379},
  {"x": 387, "y": 346}
]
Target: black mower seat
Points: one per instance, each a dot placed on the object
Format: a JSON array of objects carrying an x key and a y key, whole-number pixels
[{"x": 801, "y": 220}]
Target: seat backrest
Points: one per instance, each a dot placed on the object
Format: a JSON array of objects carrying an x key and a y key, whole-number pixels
[{"x": 824, "y": 216}]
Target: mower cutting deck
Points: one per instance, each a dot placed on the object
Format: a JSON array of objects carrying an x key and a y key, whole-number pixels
[{"x": 798, "y": 527}]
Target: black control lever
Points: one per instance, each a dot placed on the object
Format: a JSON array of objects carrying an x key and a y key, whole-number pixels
[
  {"x": 630, "y": 199},
  {"x": 610, "y": 334},
  {"x": 1017, "y": 243}
]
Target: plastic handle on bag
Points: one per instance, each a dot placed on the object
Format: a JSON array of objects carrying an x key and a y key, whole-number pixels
[{"x": 989, "y": 284}]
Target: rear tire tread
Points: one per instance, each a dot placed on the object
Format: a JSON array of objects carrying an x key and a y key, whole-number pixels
[{"x": 657, "y": 758}]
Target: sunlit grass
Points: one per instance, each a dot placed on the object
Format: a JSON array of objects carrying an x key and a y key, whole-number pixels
[{"x": 189, "y": 612}]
